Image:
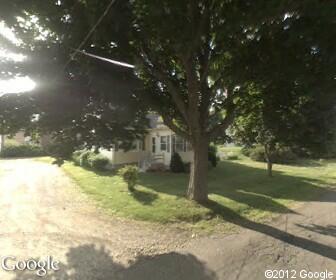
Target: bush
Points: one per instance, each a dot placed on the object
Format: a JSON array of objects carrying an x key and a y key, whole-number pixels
[
  {"x": 59, "y": 150},
  {"x": 130, "y": 174},
  {"x": 84, "y": 158},
  {"x": 246, "y": 151},
  {"x": 212, "y": 155},
  {"x": 12, "y": 151},
  {"x": 281, "y": 155},
  {"x": 98, "y": 162},
  {"x": 176, "y": 164},
  {"x": 285, "y": 155},
  {"x": 187, "y": 167},
  {"x": 232, "y": 156},
  {"x": 257, "y": 154},
  {"x": 76, "y": 156}
]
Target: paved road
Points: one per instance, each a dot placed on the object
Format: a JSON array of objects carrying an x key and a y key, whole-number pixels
[{"x": 42, "y": 213}]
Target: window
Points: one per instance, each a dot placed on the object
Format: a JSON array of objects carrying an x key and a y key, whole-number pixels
[
  {"x": 142, "y": 145},
  {"x": 153, "y": 145},
  {"x": 163, "y": 143},
  {"x": 116, "y": 147},
  {"x": 168, "y": 143},
  {"x": 179, "y": 144}
]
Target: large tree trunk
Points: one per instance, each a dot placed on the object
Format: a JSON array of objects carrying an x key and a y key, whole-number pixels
[{"x": 198, "y": 188}]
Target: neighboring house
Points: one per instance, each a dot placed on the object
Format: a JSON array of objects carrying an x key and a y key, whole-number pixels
[
  {"x": 2, "y": 142},
  {"x": 20, "y": 139},
  {"x": 157, "y": 147}
]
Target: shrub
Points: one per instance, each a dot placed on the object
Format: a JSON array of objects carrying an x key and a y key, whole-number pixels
[
  {"x": 130, "y": 174},
  {"x": 11, "y": 151},
  {"x": 76, "y": 156},
  {"x": 257, "y": 154},
  {"x": 232, "y": 156},
  {"x": 246, "y": 151},
  {"x": 212, "y": 155},
  {"x": 98, "y": 162},
  {"x": 59, "y": 150},
  {"x": 281, "y": 155},
  {"x": 176, "y": 163},
  {"x": 285, "y": 155},
  {"x": 187, "y": 167},
  {"x": 84, "y": 158}
]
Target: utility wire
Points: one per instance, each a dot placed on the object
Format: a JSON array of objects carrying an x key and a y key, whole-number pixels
[
  {"x": 107, "y": 9},
  {"x": 72, "y": 56},
  {"x": 124, "y": 64}
]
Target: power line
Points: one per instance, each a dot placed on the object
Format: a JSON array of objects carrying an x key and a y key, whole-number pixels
[
  {"x": 124, "y": 64},
  {"x": 107, "y": 9}
]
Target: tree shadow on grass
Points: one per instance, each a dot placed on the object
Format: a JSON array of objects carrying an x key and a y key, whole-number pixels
[
  {"x": 246, "y": 185},
  {"x": 87, "y": 262},
  {"x": 327, "y": 230},
  {"x": 146, "y": 198},
  {"x": 230, "y": 216}
]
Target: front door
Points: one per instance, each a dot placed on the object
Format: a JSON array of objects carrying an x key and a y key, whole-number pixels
[{"x": 165, "y": 147}]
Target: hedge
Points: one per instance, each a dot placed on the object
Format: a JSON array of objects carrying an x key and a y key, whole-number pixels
[{"x": 14, "y": 151}]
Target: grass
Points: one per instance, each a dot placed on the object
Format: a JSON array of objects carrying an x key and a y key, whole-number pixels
[{"x": 238, "y": 187}]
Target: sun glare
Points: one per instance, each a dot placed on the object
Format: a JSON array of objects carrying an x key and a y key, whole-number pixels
[
  {"x": 5, "y": 55},
  {"x": 16, "y": 85},
  {"x": 8, "y": 34}
]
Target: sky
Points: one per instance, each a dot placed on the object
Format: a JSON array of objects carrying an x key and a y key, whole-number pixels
[{"x": 17, "y": 84}]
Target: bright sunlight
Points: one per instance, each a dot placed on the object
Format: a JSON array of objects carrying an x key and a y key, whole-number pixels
[{"x": 17, "y": 84}]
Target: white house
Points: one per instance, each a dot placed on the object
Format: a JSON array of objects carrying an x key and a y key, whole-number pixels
[{"x": 157, "y": 147}]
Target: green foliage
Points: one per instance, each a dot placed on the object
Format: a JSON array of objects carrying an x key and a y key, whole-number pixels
[
  {"x": 90, "y": 159},
  {"x": 281, "y": 155},
  {"x": 280, "y": 46},
  {"x": 60, "y": 150},
  {"x": 98, "y": 162},
  {"x": 257, "y": 154},
  {"x": 84, "y": 158},
  {"x": 187, "y": 167},
  {"x": 246, "y": 151},
  {"x": 130, "y": 174},
  {"x": 12, "y": 151},
  {"x": 176, "y": 164},
  {"x": 76, "y": 157},
  {"x": 212, "y": 155},
  {"x": 232, "y": 156}
]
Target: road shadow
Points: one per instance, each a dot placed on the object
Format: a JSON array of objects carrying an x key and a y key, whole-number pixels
[
  {"x": 327, "y": 230},
  {"x": 232, "y": 217},
  {"x": 87, "y": 262}
]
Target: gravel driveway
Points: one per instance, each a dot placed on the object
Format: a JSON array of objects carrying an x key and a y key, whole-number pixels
[{"x": 43, "y": 213}]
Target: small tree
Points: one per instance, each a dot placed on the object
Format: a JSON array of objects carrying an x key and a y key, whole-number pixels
[
  {"x": 212, "y": 155},
  {"x": 130, "y": 174},
  {"x": 176, "y": 163}
]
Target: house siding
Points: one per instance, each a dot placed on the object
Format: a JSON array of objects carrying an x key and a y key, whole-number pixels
[{"x": 158, "y": 129}]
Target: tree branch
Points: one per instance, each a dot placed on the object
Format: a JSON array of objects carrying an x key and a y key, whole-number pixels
[
  {"x": 179, "y": 131},
  {"x": 159, "y": 74},
  {"x": 229, "y": 117}
]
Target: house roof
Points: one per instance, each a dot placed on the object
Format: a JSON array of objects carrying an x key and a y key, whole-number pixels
[{"x": 155, "y": 121}]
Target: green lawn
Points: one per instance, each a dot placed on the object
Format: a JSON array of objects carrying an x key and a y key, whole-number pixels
[{"x": 237, "y": 189}]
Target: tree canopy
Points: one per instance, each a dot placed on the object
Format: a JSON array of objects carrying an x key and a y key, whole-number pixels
[{"x": 194, "y": 59}]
